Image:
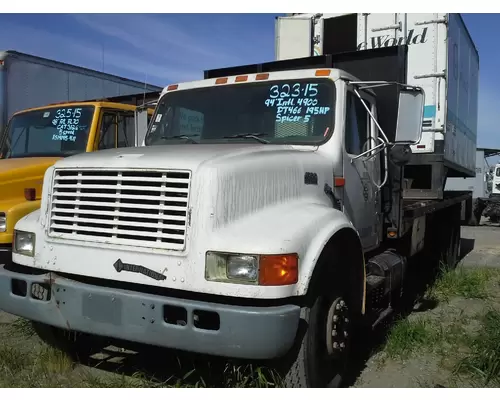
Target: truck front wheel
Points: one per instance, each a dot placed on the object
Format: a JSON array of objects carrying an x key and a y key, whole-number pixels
[{"x": 323, "y": 351}]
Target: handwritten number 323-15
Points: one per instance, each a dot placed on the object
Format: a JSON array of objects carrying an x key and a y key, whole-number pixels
[{"x": 293, "y": 90}]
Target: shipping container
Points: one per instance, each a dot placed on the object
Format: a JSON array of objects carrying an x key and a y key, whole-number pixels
[{"x": 442, "y": 59}]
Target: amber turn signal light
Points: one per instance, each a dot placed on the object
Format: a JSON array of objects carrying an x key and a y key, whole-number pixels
[{"x": 278, "y": 270}]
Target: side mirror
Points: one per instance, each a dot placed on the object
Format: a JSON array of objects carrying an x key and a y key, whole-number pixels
[
  {"x": 141, "y": 125},
  {"x": 410, "y": 115}
]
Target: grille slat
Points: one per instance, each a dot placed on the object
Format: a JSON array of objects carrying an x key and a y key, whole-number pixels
[
  {"x": 111, "y": 222},
  {"x": 110, "y": 205},
  {"x": 167, "y": 189},
  {"x": 119, "y": 196},
  {"x": 91, "y": 229},
  {"x": 142, "y": 208},
  {"x": 123, "y": 179},
  {"x": 113, "y": 214}
]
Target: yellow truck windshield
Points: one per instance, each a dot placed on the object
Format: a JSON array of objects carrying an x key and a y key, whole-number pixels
[{"x": 52, "y": 132}]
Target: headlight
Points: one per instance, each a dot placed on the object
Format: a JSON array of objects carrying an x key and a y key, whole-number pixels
[
  {"x": 24, "y": 243},
  {"x": 265, "y": 270},
  {"x": 3, "y": 222}
]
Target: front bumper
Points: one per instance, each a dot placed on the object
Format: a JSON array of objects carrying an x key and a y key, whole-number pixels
[{"x": 207, "y": 328}]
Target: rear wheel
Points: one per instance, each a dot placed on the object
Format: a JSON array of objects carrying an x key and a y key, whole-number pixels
[{"x": 322, "y": 357}]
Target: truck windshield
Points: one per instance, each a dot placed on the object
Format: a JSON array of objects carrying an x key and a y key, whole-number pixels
[
  {"x": 299, "y": 111},
  {"x": 49, "y": 132}
]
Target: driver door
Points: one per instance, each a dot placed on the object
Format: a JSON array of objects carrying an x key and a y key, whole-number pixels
[{"x": 361, "y": 197}]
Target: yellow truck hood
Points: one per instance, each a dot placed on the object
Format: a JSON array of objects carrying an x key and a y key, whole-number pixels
[{"x": 16, "y": 174}]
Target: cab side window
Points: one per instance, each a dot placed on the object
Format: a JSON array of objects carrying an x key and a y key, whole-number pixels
[
  {"x": 107, "y": 132},
  {"x": 357, "y": 129},
  {"x": 117, "y": 130},
  {"x": 126, "y": 130}
]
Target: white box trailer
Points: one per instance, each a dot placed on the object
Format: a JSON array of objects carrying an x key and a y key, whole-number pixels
[
  {"x": 28, "y": 81},
  {"x": 442, "y": 59}
]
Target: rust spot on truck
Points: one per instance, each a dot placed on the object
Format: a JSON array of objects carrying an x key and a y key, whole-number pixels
[{"x": 49, "y": 281}]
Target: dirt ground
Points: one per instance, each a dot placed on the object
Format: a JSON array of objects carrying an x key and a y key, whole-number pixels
[
  {"x": 431, "y": 366},
  {"x": 424, "y": 349}
]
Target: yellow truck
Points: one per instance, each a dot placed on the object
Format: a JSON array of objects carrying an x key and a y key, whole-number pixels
[{"x": 36, "y": 138}]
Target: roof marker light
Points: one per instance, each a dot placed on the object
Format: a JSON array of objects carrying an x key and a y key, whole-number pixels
[{"x": 322, "y": 72}]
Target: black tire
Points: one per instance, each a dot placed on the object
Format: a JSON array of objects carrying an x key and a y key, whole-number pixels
[{"x": 312, "y": 367}]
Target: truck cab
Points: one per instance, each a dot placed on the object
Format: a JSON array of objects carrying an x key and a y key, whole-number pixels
[
  {"x": 495, "y": 185},
  {"x": 36, "y": 138},
  {"x": 263, "y": 219}
]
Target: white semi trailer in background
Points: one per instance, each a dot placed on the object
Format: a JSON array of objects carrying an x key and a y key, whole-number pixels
[
  {"x": 28, "y": 81},
  {"x": 442, "y": 59},
  {"x": 281, "y": 225}
]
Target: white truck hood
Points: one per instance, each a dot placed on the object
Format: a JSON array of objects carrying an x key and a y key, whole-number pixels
[
  {"x": 181, "y": 156},
  {"x": 229, "y": 181},
  {"x": 240, "y": 196}
]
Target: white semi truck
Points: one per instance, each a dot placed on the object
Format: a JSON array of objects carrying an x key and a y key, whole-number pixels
[{"x": 272, "y": 224}]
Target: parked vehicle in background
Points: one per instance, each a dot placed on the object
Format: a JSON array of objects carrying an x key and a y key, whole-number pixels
[
  {"x": 27, "y": 84},
  {"x": 36, "y": 138},
  {"x": 485, "y": 193}
]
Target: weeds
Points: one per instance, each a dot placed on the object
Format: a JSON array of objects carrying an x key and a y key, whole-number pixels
[
  {"x": 407, "y": 336},
  {"x": 483, "y": 360},
  {"x": 49, "y": 367},
  {"x": 12, "y": 360},
  {"x": 460, "y": 282},
  {"x": 53, "y": 361},
  {"x": 22, "y": 327}
]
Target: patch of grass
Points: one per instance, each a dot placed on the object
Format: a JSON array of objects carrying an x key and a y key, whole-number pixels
[
  {"x": 483, "y": 361},
  {"x": 22, "y": 327},
  {"x": 251, "y": 376},
  {"x": 53, "y": 361},
  {"x": 408, "y": 336},
  {"x": 26, "y": 368},
  {"x": 461, "y": 282},
  {"x": 12, "y": 360},
  {"x": 117, "y": 381},
  {"x": 48, "y": 367}
]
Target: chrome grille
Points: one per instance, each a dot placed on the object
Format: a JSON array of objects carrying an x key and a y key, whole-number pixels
[{"x": 134, "y": 207}]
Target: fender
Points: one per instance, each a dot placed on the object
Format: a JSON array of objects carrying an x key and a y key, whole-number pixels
[
  {"x": 340, "y": 231},
  {"x": 301, "y": 227}
]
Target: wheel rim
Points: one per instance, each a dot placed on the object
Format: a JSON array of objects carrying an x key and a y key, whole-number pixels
[{"x": 337, "y": 329}]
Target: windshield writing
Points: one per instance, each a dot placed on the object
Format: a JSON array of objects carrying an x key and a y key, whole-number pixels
[
  {"x": 296, "y": 102},
  {"x": 288, "y": 111},
  {"x": 50, "y": 132}
]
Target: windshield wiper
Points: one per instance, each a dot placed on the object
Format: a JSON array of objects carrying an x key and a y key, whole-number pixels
[
  {"x": 256, "y": 136},
  {"x": 188, "y": 137}
]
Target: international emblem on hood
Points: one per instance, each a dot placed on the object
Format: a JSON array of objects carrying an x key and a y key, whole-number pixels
[{"x": 138, "y": 269}]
